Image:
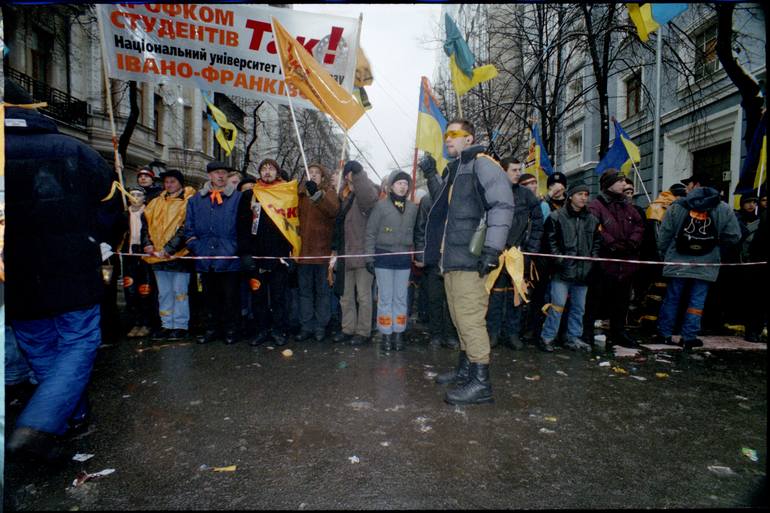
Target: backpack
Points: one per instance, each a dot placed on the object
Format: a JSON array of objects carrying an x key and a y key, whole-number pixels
[{"x": 697, "y": 235}]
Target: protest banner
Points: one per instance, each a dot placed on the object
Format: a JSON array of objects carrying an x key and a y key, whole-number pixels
[{"x": 222, "y": 47}]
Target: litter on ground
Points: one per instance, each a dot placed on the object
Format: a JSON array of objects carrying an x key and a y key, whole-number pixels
[
  {"x": 82, "y": 457},
  {"x": 84, "y": 476}
]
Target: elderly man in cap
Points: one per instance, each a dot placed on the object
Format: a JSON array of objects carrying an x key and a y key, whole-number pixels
[
  {"x": 163, "y": 239},
  {"x": 210, "y": 230},
  {"x": 570, "y": 231}
]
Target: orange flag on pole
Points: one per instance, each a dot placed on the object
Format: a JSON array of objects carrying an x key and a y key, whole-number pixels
[{"x": 302, "y": 71}]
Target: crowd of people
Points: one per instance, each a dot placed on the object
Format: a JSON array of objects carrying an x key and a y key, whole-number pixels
[{"x": 369, "y": 258}]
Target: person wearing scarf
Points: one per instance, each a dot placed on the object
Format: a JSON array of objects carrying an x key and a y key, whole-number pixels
[
  {"x": 209, "y": 230},
  {"x": 390, "y": 229},
  {"x": 137, "y": 283}
]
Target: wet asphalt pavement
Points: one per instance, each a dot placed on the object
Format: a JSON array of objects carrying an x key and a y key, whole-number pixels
[{"x": 337, "y": 427}]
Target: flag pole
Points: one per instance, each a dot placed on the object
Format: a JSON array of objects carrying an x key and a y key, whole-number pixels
[
  {"x": 414, "y": 173},
  {"x": 342, "y": 160},
  {"x": 759, "y": 184},
  {"x": 656, "y": 129},
  {"x": 118, "y": 161},
  {"x": 639, "y": 176},
  {"x": 459, "y": 106}
]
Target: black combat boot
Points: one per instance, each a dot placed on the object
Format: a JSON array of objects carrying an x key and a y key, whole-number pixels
[
  {"x": 398, "y": 342},
  {"x": 477, "y": 390},
  {"x": 385, "y": 342},
  {"x": 458, "y": 375}
]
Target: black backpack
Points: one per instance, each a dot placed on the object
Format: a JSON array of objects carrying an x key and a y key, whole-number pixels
[{"x": 698, "y": 234}]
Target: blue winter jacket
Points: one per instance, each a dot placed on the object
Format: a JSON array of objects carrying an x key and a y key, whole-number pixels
[{"x": 209, "y": 229}]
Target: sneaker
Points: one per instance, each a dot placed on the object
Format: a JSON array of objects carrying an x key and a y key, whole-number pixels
[
  {"x": 689, "y": 344},
  {"x": 660, "y": 339},
  {"x": 132, "y": 332},
  {"x": 577, "y": 344},
  {"x": 161, "y": 334},
  {"x": 546, "y": 345},
  {"x": 177, "y": 334}
]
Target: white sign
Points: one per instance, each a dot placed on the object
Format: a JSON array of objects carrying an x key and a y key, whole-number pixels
[{"x": 222, "y": 47}]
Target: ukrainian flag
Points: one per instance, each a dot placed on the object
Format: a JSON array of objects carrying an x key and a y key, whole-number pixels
[
  {"x": 431, "y": 125},
  {"x": 622, "y": 155},
  {"x": 754, "y": 172},
  {"x": 538, "y": 162},
  {"x": 649, "y": 17},
  {"x": 224, "y": 131},
  {"x": 464, "y": 76}
]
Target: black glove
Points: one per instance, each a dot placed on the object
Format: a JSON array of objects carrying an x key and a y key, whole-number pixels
[
  {"x": 489, "y": 260},
  {"x": 370, "y": 267},
  {"x": 311, "y": 187},
  {"x": 248, "y": 264},
  {"x": 352, "y": 167},
  {"x": 427, "y": 165}
]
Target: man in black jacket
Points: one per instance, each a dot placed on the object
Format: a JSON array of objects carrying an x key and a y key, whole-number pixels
[
  {"x": 570, "y": 231},
  {"x": 53, "y": 260},
  {"x": 525, "y": 233}
]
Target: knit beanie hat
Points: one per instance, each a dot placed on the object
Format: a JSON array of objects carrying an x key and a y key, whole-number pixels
[
  {"x": 609, "y": 178},
  {"x": 577, "y": 187},
  {"x": 401, "y": 175},
  {"x": 525, "y": 177}
]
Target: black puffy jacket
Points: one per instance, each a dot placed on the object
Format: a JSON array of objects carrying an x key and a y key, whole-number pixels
[
  {"x": 55, "y": 185},
  {"x": 575, "y": 234}
]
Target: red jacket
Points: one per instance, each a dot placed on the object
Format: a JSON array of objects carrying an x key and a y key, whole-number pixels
[{"x": 622, "y": 229}]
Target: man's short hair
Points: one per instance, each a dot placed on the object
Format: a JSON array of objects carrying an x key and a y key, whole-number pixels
[
  {"x": 507, "y": 161},
  {"x": 465, "y": 124}
]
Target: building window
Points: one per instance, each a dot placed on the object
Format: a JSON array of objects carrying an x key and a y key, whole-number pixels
[
  {"x": 633, "y": 94},
  {"x": 157, "y": 120},
  {"x": 40, "y": 56},
  {"x": 706, "y": 61},
  {"x": 575, "y": 89},
  {"x": 575, "y": 144}
]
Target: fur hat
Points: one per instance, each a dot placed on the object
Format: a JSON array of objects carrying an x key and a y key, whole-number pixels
[{"x": 556, "y": 177}]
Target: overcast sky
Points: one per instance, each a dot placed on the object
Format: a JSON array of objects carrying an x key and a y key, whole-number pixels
[{"x": 393, "y": 38}]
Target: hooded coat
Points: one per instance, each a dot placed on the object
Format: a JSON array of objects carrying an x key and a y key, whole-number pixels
[
  {"x": 702, "y": 199},
  {"x": 55, "y": 184},
  {"x": 389, "y": 230}
]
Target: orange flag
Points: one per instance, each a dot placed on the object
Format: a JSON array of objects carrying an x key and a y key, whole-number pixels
[{"x": 305, "y": 73}]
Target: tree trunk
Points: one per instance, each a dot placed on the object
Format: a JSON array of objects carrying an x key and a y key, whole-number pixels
[
  {"x": 133, "y": 117},
  {"x": 247, "y": 159},
  {"x": 751, "y": 99}
]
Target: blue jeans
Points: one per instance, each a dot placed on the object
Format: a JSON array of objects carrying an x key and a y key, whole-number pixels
[
  {"x": 695, "y": 302},
  {"x": 61, "y": 351},
  {"x": 392, "y": 287},
  {"x": 314, "y": 300},
  {"x": 173, "y": 302},
  {"x": 16, "y": 367},
  {"x": 560, "y": 292}
]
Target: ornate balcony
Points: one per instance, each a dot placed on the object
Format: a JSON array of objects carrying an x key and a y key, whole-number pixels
[{"x": 61, "y": 106}]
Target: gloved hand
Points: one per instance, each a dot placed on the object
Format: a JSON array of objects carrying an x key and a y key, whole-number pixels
[
  {"x": 370, "y": 267},
  {"x": 427, "y": 165},
  {"x": 352, "y": 167},
  {"x": 488, "y": 261},
  {"x": 311, "y": 187},
  {"x": 248, "y": 264}
]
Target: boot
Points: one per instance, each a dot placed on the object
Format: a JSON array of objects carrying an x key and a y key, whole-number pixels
[
  {"x": 398, "y": 342},
  {"x": 477, "y": 390},
  {"x": 458, "y": 375},
  {"x": 385, "y": 342}
]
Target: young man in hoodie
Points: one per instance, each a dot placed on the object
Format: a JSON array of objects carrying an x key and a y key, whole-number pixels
[
  {"x": 259, "y": 236},
  {"x": 357, "y": 199},
  {"x": 473, "y": 193},
  {"x": 622, "y": 229},
  {"x": 163, "y": 239},
  {"x": 209, "y": 230},
  {"x": 695, "y": 229},
  {"x": 318, "y": 207}
]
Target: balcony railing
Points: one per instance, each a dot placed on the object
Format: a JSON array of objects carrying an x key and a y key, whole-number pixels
[{"x": 61, "y": 106}]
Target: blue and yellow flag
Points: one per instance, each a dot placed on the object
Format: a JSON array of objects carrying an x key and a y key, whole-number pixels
[
  {"x": 224, "y": 131},
  {"x": 538, "y": 162},
  {"x": 754, "y": 171},
  {"x": 649, "y": 17},
  {"x": 461, "y": 59},
  {"x": 622, "y": 155},
  {"x": 431, "y": 125}
]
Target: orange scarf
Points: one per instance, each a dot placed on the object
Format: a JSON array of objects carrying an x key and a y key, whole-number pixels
[{"x": 216, "y": 196}]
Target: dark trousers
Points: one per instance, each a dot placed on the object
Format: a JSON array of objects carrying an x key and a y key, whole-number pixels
[
  {"x": 501, "y": 312},
  {"x": 220, "y": 296},
  {"x": 607, "y": 295},
  {"x": 440, "y": 322},
  {"x": 269, "y": 298},
  {"x": 140, "y": 290},
  {"x": 314, "y": 297}
]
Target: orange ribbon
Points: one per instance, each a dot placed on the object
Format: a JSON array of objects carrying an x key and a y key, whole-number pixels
[{"x": 216, "y": 196}]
